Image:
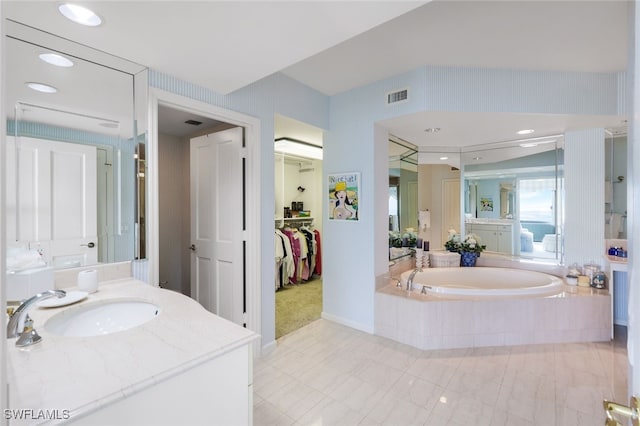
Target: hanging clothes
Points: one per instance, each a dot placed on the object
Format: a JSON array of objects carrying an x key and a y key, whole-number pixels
[
  {"x": 302, "y": 270},
  {"x": 296, "y": 250},
  {"x": 311, "y": 256},
  {"x": 285, "y": 267},
  {"x": 318, "y": 253}
]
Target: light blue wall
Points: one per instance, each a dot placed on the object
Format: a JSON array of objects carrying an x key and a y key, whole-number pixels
[
  {"x": 355, "y": 143},
  {"x": 489, "y": 188}
]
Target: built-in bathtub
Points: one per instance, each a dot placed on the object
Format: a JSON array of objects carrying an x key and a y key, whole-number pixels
[
  {"x": 437, "y": 320},
  {"x": 483, "y": 282}
]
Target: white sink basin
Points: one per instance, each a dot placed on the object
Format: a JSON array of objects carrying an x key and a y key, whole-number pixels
[{"x": 101, "y": 318}]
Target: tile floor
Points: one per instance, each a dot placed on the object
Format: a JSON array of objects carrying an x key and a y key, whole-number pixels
[{"x": 327, "y": 374}]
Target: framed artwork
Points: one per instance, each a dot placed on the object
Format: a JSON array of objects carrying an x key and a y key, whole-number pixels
[
  {"x": 344, "y": 193},
  {"x": 486, "y": 204}
]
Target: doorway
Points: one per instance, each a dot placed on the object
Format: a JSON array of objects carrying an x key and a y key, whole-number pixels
[
  {"x": 298, "y": 224},
  {"x": 167, "y": 158}
]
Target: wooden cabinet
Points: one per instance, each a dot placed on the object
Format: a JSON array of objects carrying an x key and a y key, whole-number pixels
[{"x": 497, "y": 237}]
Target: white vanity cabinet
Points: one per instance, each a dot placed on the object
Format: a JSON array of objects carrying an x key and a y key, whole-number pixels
[
  {"x": 497, "y": 237},
  {"x": 186, "y": 366},
  {"x": 217, "y": 392}
]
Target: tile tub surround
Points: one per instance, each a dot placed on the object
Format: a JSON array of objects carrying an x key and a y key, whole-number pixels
[
  {"x": 431, "y": 322},
  {"x": 86, "y": 374}
]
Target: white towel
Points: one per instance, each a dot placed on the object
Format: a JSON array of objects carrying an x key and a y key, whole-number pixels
[
  {"x": 614, "y": 226},
  {"x": 21, "y": 260},
  {"x": 393, "y": 223},
  {"x": 424, "y": 219}
]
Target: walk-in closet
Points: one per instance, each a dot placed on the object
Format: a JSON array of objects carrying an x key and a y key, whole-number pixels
[{"x": 297, "y": 224}]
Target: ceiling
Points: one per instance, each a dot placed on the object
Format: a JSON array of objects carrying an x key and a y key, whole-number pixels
[{"x": 336, "y": 46}]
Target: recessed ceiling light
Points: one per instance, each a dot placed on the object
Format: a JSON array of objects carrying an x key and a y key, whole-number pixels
[
  {"x": 477, "y": 158},
  {"x": 80, "y": 15},
  {"x": 432, "y": 129},
  {"x": 525, "y": 131},
  {"x": 528, "y": 145},
  {"x": 444, "y": 158},
  {"x": 40, "y": 87},
  {"x": 57, "y": 60}
]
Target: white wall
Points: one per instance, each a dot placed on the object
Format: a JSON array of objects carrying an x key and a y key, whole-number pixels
[
  {"x": 3, "y": 235},
  {"x": 633, "y": 196},
  {"x": 293, "y": 173},
  {"x": 584, "y": 196},
  {"x": 174, "y": 218}
]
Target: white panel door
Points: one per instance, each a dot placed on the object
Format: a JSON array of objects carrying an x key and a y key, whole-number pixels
[
  {"x": 450, "y": 207},
  {"x": 216, "y": 223},
  {"x": 53, "y": 195}
]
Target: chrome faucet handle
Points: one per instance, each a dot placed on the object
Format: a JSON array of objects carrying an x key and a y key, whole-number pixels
[
  {"x": 17, "y": 321},
  {"x": 29, "y": 335},
  {"x": 398, "y": 282}
]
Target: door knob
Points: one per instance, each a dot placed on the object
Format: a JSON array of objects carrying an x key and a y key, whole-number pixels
[
  {"x": 192, "y": 247},
  {"x": 90, "y": 245},
  {"x": 632, "y": 411}
]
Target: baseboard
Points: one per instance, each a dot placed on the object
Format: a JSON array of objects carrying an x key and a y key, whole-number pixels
[
  {"x": 268, "y": 348},
  {"x": 352, "y": 324}
]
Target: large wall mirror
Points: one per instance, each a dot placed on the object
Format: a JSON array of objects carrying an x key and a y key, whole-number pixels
[
  {"x": 403, "y": 197},
  {"x": 513, "y": 197},
  {"x": 615, "y": 193},
  {"x": 76, "y": 132}
]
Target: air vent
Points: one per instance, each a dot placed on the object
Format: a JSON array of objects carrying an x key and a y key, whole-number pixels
[
  {"x": 193, "y": 122},
  {"x": 397, "y": 96}
]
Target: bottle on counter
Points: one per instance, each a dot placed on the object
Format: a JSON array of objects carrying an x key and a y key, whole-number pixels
[{"x": 599, "y": 280}]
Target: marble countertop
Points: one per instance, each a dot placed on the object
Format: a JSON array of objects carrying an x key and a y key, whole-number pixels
[{"x": 83, "y": 374}]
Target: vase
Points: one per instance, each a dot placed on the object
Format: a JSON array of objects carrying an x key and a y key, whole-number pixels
[{"x": 468, "y": 258}]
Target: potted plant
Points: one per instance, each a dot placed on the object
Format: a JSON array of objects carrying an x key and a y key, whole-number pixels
[
  {"x": 453, "y": 244},
  {"x": 470, "y": 249}
]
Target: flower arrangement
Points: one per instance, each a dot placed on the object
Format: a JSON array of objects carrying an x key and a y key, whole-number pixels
[
  {"x": 453, "y": 243},
  {"x": 408, "y": 239},
  {"x": 470, "y": 243}
]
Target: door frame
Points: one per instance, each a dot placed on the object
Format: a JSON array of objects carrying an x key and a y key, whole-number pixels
[{"x": 252, "y": 193}]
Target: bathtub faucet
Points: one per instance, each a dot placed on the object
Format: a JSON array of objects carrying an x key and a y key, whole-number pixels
[{"x": 411, "y": 277}]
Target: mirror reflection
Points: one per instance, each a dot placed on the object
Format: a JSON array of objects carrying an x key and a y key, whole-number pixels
[
  {"x": 75, "y": 151},
  {"x": 403, "y": 197},
  {"x": 513, "y": 197},
  {"x": 615, "y": 195}
]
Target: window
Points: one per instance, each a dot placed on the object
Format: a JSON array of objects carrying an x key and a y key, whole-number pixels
[{"x": 537, "y": 200}]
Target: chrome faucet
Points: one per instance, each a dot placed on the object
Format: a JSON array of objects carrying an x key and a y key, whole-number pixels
[
  {"x": 21, "y": 326},
  {"x": 411, "y": 277}
]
